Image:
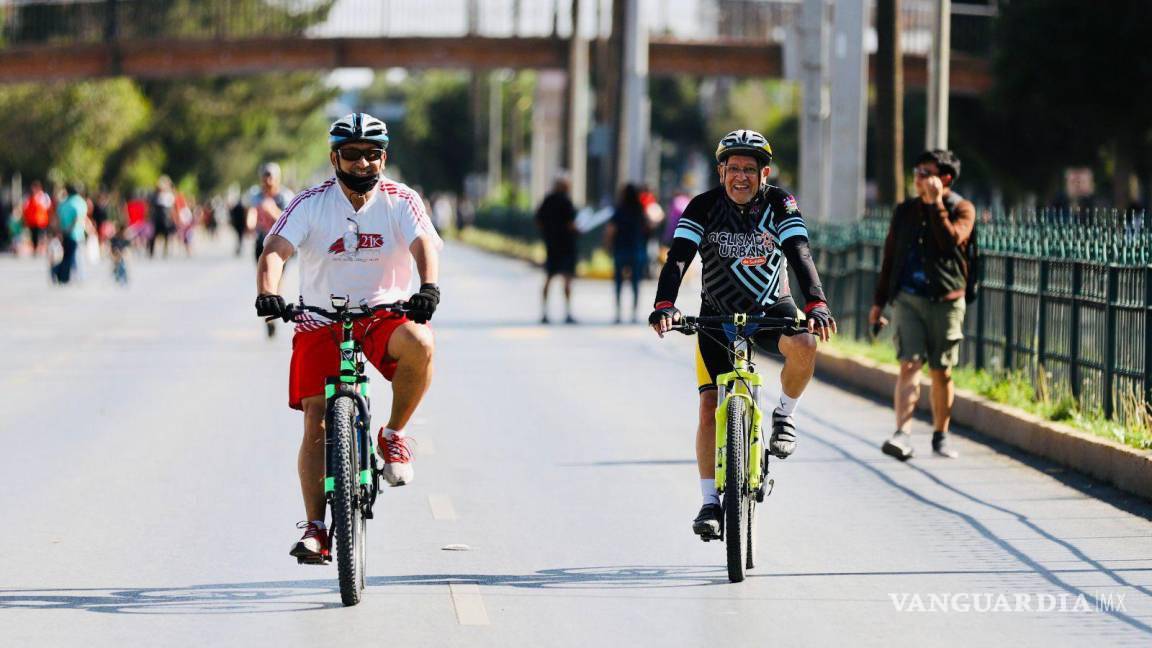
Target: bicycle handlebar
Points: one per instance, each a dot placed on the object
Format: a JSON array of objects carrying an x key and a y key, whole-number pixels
[
  {"x": 292, "y": 311},
  {"x": 787, "y": 325}
]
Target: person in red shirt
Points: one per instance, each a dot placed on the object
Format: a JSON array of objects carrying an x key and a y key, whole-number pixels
[{"x": 37, "y": 215}]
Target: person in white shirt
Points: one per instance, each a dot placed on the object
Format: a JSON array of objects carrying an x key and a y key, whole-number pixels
[{"x": 356, "y": 235}]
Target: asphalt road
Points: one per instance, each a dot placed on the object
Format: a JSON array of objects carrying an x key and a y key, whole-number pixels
[{"x": 147, "y": 480}]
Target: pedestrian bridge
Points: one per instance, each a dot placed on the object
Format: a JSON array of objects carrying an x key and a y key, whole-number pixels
[{"x": 45, "y": 40}]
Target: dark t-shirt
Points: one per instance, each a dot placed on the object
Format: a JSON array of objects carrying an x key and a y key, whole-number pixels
[
  {"x": 555, "y": 216},
  {"x": 745, "y": 269},
  {"x": 913, "y": 274}
]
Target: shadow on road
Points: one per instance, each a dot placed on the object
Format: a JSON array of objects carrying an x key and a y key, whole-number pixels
[
  {"x": 288, "y": 596},
  {"x": 1031, "y": 564}
]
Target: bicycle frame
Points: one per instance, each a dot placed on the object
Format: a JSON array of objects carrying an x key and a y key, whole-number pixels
[{"x": 741, "y": 382}]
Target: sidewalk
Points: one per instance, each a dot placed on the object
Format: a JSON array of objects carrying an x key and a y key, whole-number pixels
[{"x": 1124, "y": 467}]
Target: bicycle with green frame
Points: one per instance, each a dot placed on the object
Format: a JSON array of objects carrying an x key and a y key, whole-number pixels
[
  {"x": 742, "y": 478},
  {"x": 351, "y": 468}
]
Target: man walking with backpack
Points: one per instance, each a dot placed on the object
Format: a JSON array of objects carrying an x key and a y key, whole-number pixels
[{"x": 925, "y": 277}]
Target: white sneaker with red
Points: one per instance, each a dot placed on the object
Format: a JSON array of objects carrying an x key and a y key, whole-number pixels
[
  {"x": 397, "y": 458},
  {"x": 313, "y": 548}
]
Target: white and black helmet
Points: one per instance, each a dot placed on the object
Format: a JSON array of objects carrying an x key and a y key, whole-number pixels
[
  {"x": 744, "y": 142},
  {"x": 358, "y": 127}
]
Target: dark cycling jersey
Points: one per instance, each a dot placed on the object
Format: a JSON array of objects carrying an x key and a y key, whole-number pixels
[{"x": 745, "y": 250}]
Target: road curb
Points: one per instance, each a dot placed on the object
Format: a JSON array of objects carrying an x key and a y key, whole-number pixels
[{"x": 1126, "y": 468}]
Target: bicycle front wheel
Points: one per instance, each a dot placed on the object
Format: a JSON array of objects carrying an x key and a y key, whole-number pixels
[
  {"x": 736, "y": 497},
  {"x": 347, "y": 521}
]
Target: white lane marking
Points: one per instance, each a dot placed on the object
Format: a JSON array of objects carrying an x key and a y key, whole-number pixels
[
  {"x": 442, "y": 508},
  {"x": 520, "y": 333},
  {"x": 469, "y": 606}
]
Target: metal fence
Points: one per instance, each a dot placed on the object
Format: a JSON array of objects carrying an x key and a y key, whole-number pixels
[{"x": 1066, "y": 297}]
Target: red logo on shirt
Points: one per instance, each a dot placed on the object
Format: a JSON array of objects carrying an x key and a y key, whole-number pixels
[{"x": 367, "y": 242}]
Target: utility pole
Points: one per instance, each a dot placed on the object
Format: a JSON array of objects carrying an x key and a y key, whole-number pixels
[
  {"x": 578, "y": 74},
  {"x": 939, "y": 61},
  {"x": 632, "y": 138},
  {"x": 849, "y": 110},
  {"x": 889, "y": 104},
  {"x": 814, "y": 180},
  {"x": 495, "y": 130}
]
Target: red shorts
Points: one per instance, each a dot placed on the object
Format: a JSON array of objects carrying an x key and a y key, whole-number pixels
[{"x": 316, "y": 354}]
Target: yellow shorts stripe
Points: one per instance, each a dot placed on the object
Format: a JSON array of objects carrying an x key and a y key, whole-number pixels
[{"x": 702, "y": 375}]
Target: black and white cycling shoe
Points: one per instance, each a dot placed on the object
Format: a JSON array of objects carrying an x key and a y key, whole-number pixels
[
  {"x": 783, "y": 441},
  {"x": 707, "y": 522}
]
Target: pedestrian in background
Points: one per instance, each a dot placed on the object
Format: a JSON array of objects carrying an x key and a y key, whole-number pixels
[
  {"x": 162, "y": 213},
  {"x": 266, "y": 202},
  {"x": 627, "y": 237},
  {"x": 71, "y": 219},
  {"x": 37, "y": 216},
  {"x": 118, "y": 245},
  {"x": 923, "y": 276},
  {"x": 238, "y": 218},
  {"x": 556, "y": 220}
]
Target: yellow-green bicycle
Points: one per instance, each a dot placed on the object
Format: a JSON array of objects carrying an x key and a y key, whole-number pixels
[{"x": 742, "y": 478}]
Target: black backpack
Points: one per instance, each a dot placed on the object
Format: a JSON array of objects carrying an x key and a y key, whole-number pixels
[{"x": 971, "y": 253}]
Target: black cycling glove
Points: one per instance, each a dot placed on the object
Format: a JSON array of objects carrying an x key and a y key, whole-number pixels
[
  {"x": 270, "y": 306},
  {"x": 820, "y": 315},
  {"x": 423, "y": 303},
  {"x": 664, "y": 309}
]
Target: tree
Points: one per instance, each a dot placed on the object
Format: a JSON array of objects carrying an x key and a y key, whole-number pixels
[
  {"x": 66, "y": 132},
  {"x": 1071, "y": 86}
]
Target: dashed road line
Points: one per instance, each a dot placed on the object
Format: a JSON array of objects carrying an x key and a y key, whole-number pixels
[{"x": 469, "y": 605}]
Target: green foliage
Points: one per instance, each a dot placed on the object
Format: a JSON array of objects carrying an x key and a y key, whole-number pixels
[
  {"x": 220, "y": 130},
  {"x": 676, "y": 114},
  {"x": 435, "y": 145},
  {"x": 65, "y": 132},
  {"x": 772, "y": 108},
  {"x": 432, "y": 143},
  {"x": 1019, "y": 390}
]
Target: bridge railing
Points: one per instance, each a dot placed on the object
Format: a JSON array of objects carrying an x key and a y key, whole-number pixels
[
  {"x": 33, "y": 22},
  {"x": 1066, "y": 298}
]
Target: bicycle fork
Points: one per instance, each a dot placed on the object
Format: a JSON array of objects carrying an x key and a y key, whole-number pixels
[
  {"x": 740, "y": 383},
  {"x": 353, "y": 383}
]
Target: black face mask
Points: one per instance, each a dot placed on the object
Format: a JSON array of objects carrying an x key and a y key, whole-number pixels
[{"x": 358, "y": 183}]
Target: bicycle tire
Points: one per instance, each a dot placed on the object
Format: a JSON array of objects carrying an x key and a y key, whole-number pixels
[
  {"x": 735, "y": 492},
  {"x": 347, "y": 520}
]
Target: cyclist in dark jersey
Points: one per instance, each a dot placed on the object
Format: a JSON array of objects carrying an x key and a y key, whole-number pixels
[{"x": 747, "y": 232}]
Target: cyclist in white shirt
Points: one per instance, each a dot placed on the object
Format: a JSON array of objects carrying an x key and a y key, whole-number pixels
[{"x": 356, "y": 235}]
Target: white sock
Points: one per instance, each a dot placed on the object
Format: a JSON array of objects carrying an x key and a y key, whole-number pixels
[
  {"x": 787, "y": 404},
  {"x": 708, "y": 490},
  {"x": 319, "y": 524},
  {"x": 390, "y": 433}
]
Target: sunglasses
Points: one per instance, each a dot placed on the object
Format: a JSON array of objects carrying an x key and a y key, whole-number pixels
[
  {"x": 923, "y": 173},
  {"x": 352, "y": 154}
]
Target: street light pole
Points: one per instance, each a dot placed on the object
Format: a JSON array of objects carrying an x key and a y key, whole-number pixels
[{"x": 939, "y": 60}]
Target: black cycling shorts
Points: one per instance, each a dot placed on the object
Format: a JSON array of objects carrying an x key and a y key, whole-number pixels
[{"x": 714, "y": 354}]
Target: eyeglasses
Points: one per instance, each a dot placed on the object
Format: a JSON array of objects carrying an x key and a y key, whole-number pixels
[
  {"x": 352, "y": 154},
  {"x": 352, "y": 238},
  {"x": 921, "y": 172},
  {"x": 748, "y": 171}
]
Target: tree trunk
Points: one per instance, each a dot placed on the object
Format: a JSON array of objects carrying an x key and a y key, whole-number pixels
[{"x": 889, "y": 103}]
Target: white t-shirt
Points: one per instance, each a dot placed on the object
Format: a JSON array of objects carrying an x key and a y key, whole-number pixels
[{"x": 361, "y": 254}]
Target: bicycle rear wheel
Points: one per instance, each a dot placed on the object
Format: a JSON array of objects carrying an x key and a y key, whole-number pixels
[
  {"x": 348, "y": 531},
  {"x": 736, "y": 497}
]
